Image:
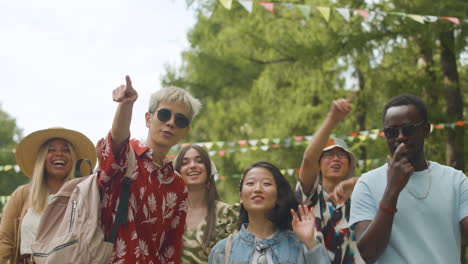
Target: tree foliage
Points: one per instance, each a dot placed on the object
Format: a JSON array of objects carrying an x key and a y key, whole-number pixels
[
  {"x": 9, "y": 137},
  {"x": 264, "y": 75}
]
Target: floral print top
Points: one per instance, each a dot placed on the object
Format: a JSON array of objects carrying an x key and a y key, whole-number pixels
[
  {"x": 227, "y": 217},
  {"x": 157, "y": 205},
  {"x": 332, "y": 223}
]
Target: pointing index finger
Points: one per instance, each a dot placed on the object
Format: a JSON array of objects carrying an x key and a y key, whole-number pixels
[
  {"x": 128, "y": 81},
  {"x": 401, "y": 149}
]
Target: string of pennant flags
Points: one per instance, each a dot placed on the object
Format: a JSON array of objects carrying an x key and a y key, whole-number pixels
[
  {"x": 222, "y": 148},
  {"x": 346, "y": 13}
]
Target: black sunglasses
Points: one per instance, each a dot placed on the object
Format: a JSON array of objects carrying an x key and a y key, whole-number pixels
[
  {"x": 408, "y": 130},
  {"x": 165, "y": 115}
]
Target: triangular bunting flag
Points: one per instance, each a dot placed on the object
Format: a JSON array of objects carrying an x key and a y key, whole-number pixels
[
  {"x": 242, "y": 143},
  {"x": 220, "y": 144},
  {"x": 430, "y": 18},
  {"x": 243, "y": 150},
  {"x": 364, "y": 132},
  {"x": 221, "y": 153},
  {"x": 362, "y": 13},
  {"x": 209, "y": 145},
  {"x": 290, "y": 172},
  {"x": 226, "y": 3},
  {"x": 305, "y": 10},
  {"x": 298, "y": 138},
  {"x": 344, "y": 12},
  {"x": 268, "y": 6},
  {"x": 417, "y": 18},
  {"x": 247, "y": 5},
  {"x": 264, "y": 148},
  {"x": 289, "y": 5},
  {"x": 253, "y": 142},
  {"x": 231, "y": 144},
  {"x": 265, "y": 141},
  {"x": 253, "y": 148},
  {"x": 398, "y": 14},
  {"x": 17, "y": 168},
  {"x": 276, "y": 140},
  {"x": 308, "y": 138},
  {"x": 452, "y": 19},
  {"x": 325, "y": 11},
  {"x": 211, "y": 153}
]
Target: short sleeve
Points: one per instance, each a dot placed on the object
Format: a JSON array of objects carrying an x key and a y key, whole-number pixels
[
  {"x": 463, "y": 196},
  {"x": 363, "y": 203},
  {"x": 307, "y": 198},
  {"x": 227, "y": 218}
]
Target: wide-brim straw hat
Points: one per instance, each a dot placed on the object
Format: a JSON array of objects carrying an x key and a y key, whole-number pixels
[
  {"x": 340, "y": 143},
  {"x": 28, "y": 148}
]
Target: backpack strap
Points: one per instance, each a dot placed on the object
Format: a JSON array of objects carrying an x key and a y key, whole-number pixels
[
  {"x": 227, "y": 249},
  {"x": 78, "y": 168},
  {"x": 122, "y": 210}
]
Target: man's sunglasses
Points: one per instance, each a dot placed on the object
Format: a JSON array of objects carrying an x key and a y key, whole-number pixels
[
  {"x": 165, "y": 115},
  {"x": 407, "y": 130}
]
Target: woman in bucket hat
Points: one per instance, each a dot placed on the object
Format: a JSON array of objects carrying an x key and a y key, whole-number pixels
[
  {"x": 326, "y": 182},
  {"x": 48, "y": 157}
]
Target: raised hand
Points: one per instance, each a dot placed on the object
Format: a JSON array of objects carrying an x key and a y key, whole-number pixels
[
  {"x": 339, "y": 109},
  {"x": 399, "y": 169},
  {"x": 125, "y": 94},
  {"x": 304, "y": 227}
]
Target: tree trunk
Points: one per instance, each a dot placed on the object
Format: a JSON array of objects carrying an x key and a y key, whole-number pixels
[
  {"x": 454, "y": 103},
  {"x": 361, "y": 110}
]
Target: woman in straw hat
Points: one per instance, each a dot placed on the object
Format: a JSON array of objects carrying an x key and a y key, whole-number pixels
[
  {"x": 208, "y": 219},
  {"x": 48, "y": 157}
]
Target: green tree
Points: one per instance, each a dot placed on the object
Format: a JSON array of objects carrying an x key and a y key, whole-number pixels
[{"x": 9, "y": 136}]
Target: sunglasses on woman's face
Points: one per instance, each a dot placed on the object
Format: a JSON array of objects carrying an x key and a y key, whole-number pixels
[
  {"x": 407, "y": 130},
  {"x": 165, "y": 115}
]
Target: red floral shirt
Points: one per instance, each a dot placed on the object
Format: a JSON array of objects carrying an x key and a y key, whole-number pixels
[{"x": 157, "y": 205}]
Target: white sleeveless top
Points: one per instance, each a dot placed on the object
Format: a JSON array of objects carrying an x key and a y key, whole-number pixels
[{"x": 29, "y": 227}]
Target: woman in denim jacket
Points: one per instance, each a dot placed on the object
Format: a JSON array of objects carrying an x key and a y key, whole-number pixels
[{"x": 266, "y": 217}]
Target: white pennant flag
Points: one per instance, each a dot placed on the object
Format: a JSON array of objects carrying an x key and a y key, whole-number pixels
[
  {"x": 247, "y": 5},
  {"x": 344, "y": 12}
]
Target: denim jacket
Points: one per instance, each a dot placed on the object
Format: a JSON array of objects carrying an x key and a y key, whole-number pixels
[{"x": 285, "y": 247}]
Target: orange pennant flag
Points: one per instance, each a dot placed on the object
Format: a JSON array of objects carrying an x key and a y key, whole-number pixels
[
  {"x": 452, "y": 19},
  {"x": 268, "y": 6},
  {"x": 362, "y": 13}
]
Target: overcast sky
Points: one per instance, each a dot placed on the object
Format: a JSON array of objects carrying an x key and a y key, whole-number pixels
[{"x": 61, "y": 59}]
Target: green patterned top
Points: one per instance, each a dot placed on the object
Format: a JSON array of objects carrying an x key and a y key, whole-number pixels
[{"x": 226, "y": 223}]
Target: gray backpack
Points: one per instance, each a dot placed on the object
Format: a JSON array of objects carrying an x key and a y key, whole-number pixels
[{"x": 70, "y": 228}]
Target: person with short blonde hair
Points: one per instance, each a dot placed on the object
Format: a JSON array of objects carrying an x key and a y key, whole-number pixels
[
  {"x": 158, "y": 195},
  {"x": 49, "y": 158}
]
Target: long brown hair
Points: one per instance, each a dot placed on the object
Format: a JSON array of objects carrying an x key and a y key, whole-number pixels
[{"x": 211, "y": 194}]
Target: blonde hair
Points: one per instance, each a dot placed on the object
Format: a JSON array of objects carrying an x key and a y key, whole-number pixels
[
  {"x": 39, "y": 191},
  {"x": 175, "y": 94}
]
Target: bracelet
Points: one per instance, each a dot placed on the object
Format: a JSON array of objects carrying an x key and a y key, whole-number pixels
[{"x": 386, "y": 209}]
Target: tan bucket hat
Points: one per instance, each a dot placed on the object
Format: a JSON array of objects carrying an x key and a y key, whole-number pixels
[
  {"x": 340, "y": 143},
  {"x": 28, "y": 148}
]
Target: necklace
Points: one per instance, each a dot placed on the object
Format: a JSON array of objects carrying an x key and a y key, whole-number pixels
[{"x": 428, "y": 188}]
